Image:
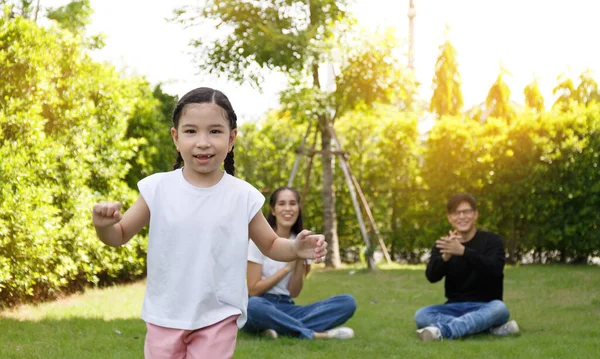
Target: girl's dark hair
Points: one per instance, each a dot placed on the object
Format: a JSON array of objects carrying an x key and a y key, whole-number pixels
[
  {"x": 297, "y": 226},
  {"x": 207, "y": 95}
]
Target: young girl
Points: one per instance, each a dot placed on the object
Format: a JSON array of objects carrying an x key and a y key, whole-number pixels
[
  {"x": 200, "y": 220},
  {"x": 272, "y": 285}
]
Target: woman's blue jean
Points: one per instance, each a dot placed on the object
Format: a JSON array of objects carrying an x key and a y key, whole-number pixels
[
  {"x": 278, "y": 312},
  {"x": 456, "y": 320}
]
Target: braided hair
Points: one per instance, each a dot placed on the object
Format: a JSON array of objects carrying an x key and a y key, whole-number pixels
[{"x": 207, "y": 95}]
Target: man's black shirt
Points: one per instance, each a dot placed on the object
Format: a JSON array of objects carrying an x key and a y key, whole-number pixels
[{"x": 477, "y": 276}]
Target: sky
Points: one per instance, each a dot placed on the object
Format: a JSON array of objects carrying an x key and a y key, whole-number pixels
[{"x": 529, "y": 38}]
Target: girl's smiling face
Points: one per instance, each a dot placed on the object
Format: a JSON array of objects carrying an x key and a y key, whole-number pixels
[{"x": 203, "y": 137}]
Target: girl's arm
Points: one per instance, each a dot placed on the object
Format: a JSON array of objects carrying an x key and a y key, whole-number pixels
[
  {"x": 297, "y": 279},
  {"x": 116, "y": 230},
  {"x": 306, "y": 245},
  {"x": 256, "y": 286}
]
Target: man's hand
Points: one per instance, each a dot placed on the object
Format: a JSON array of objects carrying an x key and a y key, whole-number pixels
[
  {"x": 450, "y": 246},
  {"x": 310, "y": 246},
  {"x": 445, "y": 256}
]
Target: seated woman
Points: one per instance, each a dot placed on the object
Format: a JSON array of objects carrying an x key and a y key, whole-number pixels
[{"x": 272, "y": 285}]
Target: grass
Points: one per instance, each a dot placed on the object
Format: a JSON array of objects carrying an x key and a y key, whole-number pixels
[{"x": 557, "y": 307}]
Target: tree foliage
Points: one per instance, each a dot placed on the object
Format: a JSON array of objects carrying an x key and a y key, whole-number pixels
[
  {"x": 535, "y": 177},
  {"x": 73, "y": 17},
  {"x": 283, "y": 35},
  {"x": 587, "y": 90},
  {"x": 74, "y": 132},
  {"x": 533, "y": 97},
  {"x": 447, "y": 95},
  {"x": 64, "y": 146},
  {"x": 568, "y": 95},
  {"x": 22, "y": 8},
  {"x": 297, "y": 37},
  {"x": 498, "y": 99},
  {"x": 151, "y": 122}
]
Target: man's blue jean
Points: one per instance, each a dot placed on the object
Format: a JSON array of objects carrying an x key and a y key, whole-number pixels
[
  {"x": 456, "y": 320},
  {"x": 278, "y": 312}
]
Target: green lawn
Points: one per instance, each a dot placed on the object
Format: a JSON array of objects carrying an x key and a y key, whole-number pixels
[{"x": 557, "y": 308}]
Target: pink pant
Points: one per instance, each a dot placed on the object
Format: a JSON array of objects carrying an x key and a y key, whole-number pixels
[{"x": 216, "y": 341}]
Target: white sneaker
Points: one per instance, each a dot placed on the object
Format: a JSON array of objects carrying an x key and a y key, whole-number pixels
[
  {"x": 507, "y": 329},
  {"x": 341, "y": 333},
  {"x": 270, "y": 333},
  {"x": 429, "y": 334}
]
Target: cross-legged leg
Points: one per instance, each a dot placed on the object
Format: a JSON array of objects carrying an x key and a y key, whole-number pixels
[
  {"x": 263, "y": 315},
  {"x": 325, "y": 314},
  {"x": 436, "y": 314},
  {"x": 456, "y": 320},
  {"x": 479, "y": 317}
]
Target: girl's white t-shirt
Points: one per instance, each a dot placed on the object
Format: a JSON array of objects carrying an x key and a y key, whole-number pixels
[
  {"x": 197, "y": 250},
  {"x": 269, "y": 268}
]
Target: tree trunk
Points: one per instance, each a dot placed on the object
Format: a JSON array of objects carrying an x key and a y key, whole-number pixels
[
  {"x": 308, "y": 171},
  {"x": 394, "y": 225},
  {"x": 37, "y": 10},
  {"x": 563, "y": 254},
  {"x": 299, "y": 157},
  {"x": 329, "y": 216},
  {"x": 512, "y": 246},
  {"x": 332, "y": 259}
]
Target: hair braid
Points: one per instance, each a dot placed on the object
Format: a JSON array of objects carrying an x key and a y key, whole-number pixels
[
  {"x": 178, "y": 161},
  {"x": 230, "y": 163}
]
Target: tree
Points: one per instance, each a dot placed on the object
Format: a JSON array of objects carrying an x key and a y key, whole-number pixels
[
  {"x": 565, "y": 92},
  {"x": 573, "y": 196},
  {"x": 296, "y": 37},
  {"x": 447, "y": 96},
  {"x": 151, "y": 122},
  {"x": 450, "y": 165},
  {"x": 383, "y": 152},
  {"x": 587, "y": 90},
  {"x": 73, "y": 17},
  {"x": 498, "y": 99},
  {"x": 22, "y": 8},
  {"x": 586, "y": 93},
  {"x": 63, "y": 146},
  {"x": 265, "y": 149},
  {"x": 533, "y": 97}
]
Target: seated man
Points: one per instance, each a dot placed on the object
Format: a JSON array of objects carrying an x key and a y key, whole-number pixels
[{"x": 472, "y": 261}]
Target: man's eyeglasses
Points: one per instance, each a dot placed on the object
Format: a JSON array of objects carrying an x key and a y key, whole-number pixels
[{"x": 464, "y": 212}]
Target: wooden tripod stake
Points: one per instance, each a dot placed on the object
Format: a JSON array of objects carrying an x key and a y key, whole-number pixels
[{"x": 353, "y": 186}]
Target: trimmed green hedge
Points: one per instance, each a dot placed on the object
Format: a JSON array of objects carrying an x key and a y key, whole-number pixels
[{"x": 63, "y": 123}]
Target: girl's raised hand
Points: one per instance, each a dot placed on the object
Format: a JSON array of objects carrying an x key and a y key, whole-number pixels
[
  {"x": 310, "y": 246},
  {"x": 106, "y": 214}
]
